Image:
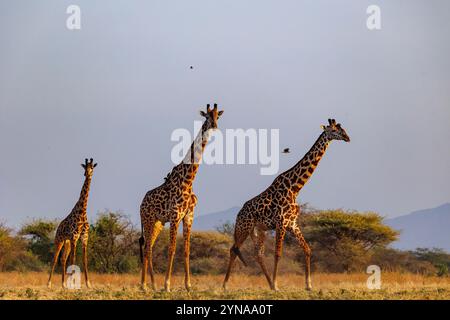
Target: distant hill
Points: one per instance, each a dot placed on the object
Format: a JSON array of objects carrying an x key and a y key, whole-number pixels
[
  {"x": 213, "y": 220},
  {"x": 424, "y": 228}
]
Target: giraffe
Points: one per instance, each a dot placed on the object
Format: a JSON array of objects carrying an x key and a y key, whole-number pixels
[
  {"x": 276, "y": 209},
  {"x": 173, "y": 202},
  {"x": 74, "y": 227}
]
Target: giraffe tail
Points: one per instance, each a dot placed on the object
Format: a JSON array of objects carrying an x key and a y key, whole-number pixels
[
  {"x": 141, "y": 245},
  {"x": 237, "y": 252}
]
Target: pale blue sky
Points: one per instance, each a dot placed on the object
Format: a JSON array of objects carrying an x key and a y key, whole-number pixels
[{"x": 116, "y": 89}]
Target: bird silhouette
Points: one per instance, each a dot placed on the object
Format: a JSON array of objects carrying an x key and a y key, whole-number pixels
[
  {"x": 286, "y": 150},
  {"x": 191, "y": 67}
]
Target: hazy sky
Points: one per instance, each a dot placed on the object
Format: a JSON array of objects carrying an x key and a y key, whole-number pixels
[{"x": 116, "y": 89}]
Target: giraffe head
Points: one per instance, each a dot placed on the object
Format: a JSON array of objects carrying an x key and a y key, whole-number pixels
[
  {"x": 334, "y": 131},
  {"x": 88, "y": 167},
  {"x": 211, "y": 115}
]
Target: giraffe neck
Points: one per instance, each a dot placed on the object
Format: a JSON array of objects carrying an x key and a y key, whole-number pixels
[
  {"x": 295, "y": 178},
  {"x": 189, "y": 165},
  {"x": 83, "y": 200}
]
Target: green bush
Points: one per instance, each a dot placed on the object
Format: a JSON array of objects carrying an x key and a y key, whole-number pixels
[{"x": 14, "y": 255}]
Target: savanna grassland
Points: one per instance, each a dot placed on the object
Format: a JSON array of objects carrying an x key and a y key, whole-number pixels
[{"x": 397, "y": 286}]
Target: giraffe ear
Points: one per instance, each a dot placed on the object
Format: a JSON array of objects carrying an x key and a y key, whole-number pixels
[
  {"x": 203, "y": 113},
  {"x": 220, "y": 113},
  {"x": 84, "y": 167},
  {"x": 323, "y": 127},
  {"x": 95, "y": 164}
]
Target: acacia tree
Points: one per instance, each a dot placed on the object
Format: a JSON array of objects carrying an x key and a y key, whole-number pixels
[
  {"x": 113, "y": 244},
  {"x": 346, "y": 237},
  {"x": 40, "y": 234}
]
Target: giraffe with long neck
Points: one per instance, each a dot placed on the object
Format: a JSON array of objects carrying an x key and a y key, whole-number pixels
[
  {"x": 276, "y": 209},
  {"x": 173, "y": 202},
  {"x": 74, "y": 227}
]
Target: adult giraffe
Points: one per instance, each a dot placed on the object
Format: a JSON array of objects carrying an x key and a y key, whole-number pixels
[
  {"x": 276, "y": 208},
  {"x": 173, "y": 202}
]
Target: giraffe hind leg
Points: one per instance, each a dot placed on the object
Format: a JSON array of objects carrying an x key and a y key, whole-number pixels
[
  {"x": 241, "y": 232},
  {"x": 58, "y": 248}
]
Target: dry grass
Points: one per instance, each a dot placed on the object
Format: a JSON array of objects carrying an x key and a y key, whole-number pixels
[{"x": 326, "y": 286}]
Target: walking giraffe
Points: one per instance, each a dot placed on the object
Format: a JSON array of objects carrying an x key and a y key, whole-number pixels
[
  {"x": 276, "y": 209},
  {"x": 73, "y": 227},
  {"x": 172, "y": 202}
]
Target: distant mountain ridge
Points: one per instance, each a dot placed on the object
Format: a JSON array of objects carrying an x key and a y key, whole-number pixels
[
  {"x": 426, "y": 228},
  {"x": 213, "y": 220}
]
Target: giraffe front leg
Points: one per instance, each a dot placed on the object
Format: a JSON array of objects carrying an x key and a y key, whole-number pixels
[
  {"x": 84, "y": 241},
  {"x": 172, "y": 248},
  {"x": 280, "y": 233},
  {"x": 58, "y": 248},
  {"x": 73, "y": 252},
  {"x": 258, "y": 237},
  {"x": 65, "y": 255},
  {"x": 156, "y": 230},
  {"x": 151, "y": 232},
  {"x": 295, "y": 230},
  {"x": 187, "y": 224}
]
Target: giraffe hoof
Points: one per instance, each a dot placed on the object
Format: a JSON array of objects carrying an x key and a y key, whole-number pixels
[
  {"x": 88, "y": 285},
  {"x": 49, "y": 285},
  {"x": 144, "y": 287}
]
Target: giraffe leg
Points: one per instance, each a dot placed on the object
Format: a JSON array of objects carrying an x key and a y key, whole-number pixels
[
  {"x": 241, "y": 232},
  {"x": 157, "y": 227},
  {"x": 58, "y": 248},
  {"x": 73, "y": 252},
  {"x": 280, "y": 233},
  {"x": 172, "y": 248},
  {"x": 295, "y": 230},
  {"x": 258, "y": 237},
  {"x": 151, "y": 233},
  {"x": 84, "y": 242},
  {"x": 187, "y": 224},
  {"x": 148, "y": 229},
  {"x": 65, "y": 255}
]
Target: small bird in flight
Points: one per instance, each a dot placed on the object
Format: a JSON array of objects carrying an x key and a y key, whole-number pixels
[
  {"x": 286, "y": 150},
  {"x": 191, "y": 67}
]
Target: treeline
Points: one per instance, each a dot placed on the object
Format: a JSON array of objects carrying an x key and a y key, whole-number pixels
[{"x": 341, "y": 241}]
